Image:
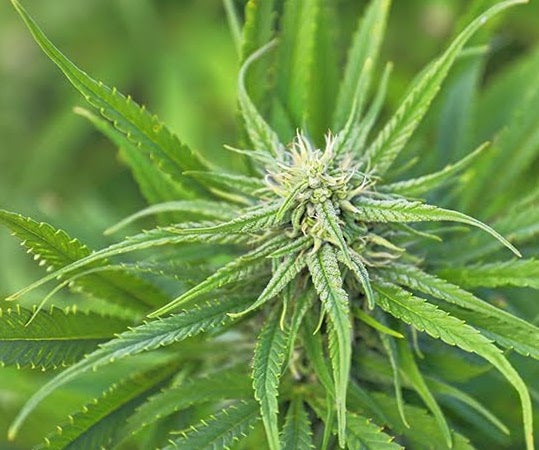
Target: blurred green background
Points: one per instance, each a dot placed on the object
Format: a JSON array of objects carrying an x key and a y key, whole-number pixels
[{"x": 177, "y": 58}]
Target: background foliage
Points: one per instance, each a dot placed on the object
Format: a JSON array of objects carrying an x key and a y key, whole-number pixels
[{"x": 179, "y": 58}]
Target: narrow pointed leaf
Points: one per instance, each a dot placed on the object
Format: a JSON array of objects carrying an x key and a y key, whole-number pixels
[{"x": 297, "y": 432}]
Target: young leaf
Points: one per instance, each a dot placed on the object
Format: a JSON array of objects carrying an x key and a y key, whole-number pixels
[
  {"x": 428, "y": 318},
  {"x": 297, "y": 432},
  {"x": 268, "y": 362},
  {"x": 371, "y": 321},
  {"x": 327, "y": 281},
  {"x": 219, "y": 180},
  {"x": 220, "y": 430},
  {"x": 369, "y": 210},
  {"x": 396, "y": 133},
  {"x": 127, "y": 117},
  {"x": 54, "y": 338},
  {"x": 146, "y": 337},
  {"x": 360, "y": 272}
]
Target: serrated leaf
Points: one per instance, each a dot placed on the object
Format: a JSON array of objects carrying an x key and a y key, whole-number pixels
[
  {"x": 427, "y": 183},
  {"x": 146, "y": 337},
  {"x": 503, "y": 327},
  {"x": 330, "y": 222},
  {"x": 58, "y": 250},
  {"x": 519, "y": 273},
  {"x": 262, "y": 136},
  {"x": 236, "y": 270},
  {"x": 395, "y": 211},
  {"x": 284, "y": 274},
  {"x": 223, "y": 384},
  {"x": 439, "y": 324},
  {"x": 360, "y": 272},
  {"x": 220, "y": 430},
  {"x": 220, "y": 180},
  {"x": 127, "y": 117},
  {"x": 396, "y": 133},
  {"x": 297, "y": 432},
  {"x": 268, "y": 362},
  {"x": 364, "y": 50},
  {"x": 155, "y": 184},
  {"x": 199, "y": 208},
  {"x": 362, "y": 433},
  {"x": 327, "y": 281},
  {"x": 54, "y": 338},
  {"x": 98, "y": 423}
]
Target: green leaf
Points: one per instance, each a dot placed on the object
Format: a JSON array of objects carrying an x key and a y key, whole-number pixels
[
  {"x": 257, "y": 31},
  {"x": 260, "y": 133},
  {"x": 355, "y": 264},
  {"x": 55, "y": 249},
  {"x": 520, "y": 273},
  {"x": 427, "y": 183},
  {"x": 297, "y": 432},
  {"x": 98, "y": 423},
  {"x": 201, "y": 208},
  {"x": 146, "y": 337},
  {"x": 220, "y": 180},
  {"x": 363, "y": 51},
  {"x": 221, "y": 385},
  {"x": 329, "y": 220},
  {"x": 236, "y": 270},
  {"x": 362, "y": 433},
  {"x": 396, "y": 133},
  {"x": 371, "y": 321},
  {"x": 155, "y": 184},
  {"x": 327, "y": 281},
  {"x": 219, "y": 431},
  {"x": 395, "y": 211},
  {"x": 284, "y": 274},
  {"x": 54, "y": 337},
  {"x": 156, "y": 237},
  {"x": 143, "y": 129},
  {"x": 428, "y": 318},
  {"x": 268, "y": 362},
  {"x": 408, "y": 365},
  {"x": 506, "y": 329},
  {"x": 394, "y": 360}
]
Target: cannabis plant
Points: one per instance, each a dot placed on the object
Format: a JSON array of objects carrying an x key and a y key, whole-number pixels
[{"x": 297, "y": 302}]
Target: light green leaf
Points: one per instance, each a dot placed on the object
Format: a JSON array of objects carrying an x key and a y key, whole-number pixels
[
  {"x": 268, "y": 362},
  {"x": 371, "y": 321},
  {"x": 327, "y": 281},
  {"x": 362, "y": 433},
  {"x": 220, "y": 180},
  {"x": 219, "y": 431},
  {"x": 284, "y": 274},
  {"x": 363, "y": 51},
  {"x": 202, "y": 208},
  {"x": 427, "y": 183},
  {"x": 55, "y": 249},
  {"x": 98, "y": 423},
  {"x": 506, "y": 329},
  {"x": 396, "y": 133},
  {"x": 146, "y": 337},
  {"x": 355, "y": 264},
  {"x": 260, "y": 133},
  {"x": 329, "y": 220},
  {"x": 221, "y": 385},
  {"x": 143, "y": 129},
  {"x": 428, "y": 318},
  {"x": 520, "y": 273},
  {"x": 236, "y": 270},
  {"x": 395, "y": 211},
  {"x": 297, "y": 432},
  {"x": 54, "y": 338},
  {"x": 408, "y": 365}
]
